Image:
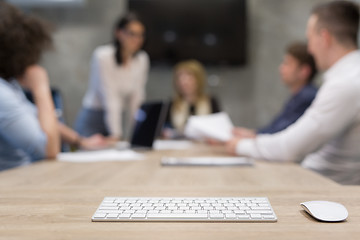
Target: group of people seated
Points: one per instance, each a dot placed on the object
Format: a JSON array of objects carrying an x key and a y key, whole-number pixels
[{"x": 319, "y": 130}]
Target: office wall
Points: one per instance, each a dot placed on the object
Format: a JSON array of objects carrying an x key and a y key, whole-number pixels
[{"x": 252, "y": 94}]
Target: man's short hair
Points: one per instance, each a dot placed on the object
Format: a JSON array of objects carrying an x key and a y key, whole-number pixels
[
  {"x": 299, "y": 51},
  {"x": 22, "y": 40},
  {"x": 341, "y": 19}
]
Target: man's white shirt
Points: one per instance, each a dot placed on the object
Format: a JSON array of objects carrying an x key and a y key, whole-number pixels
[{"x": 327, "y": 137}]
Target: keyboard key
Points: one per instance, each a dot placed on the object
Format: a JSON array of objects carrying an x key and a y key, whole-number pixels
[
  {"x": 162, "y": 211},
  {"x": 260, "y": 208},
  {"x": 190, "y": 212},
  {"x": 129, "y": 211},
  {"x": 215, "y": 211},
  {"x": 239, "y": 211},
  {"x": 109, "y": 205},
  {"x": 202, "y": 211},
  {"x": 177, "y": 211},
  {"x": 155, "y": 211},
  {"x": 141, "y": 212},
  {"x": 109, "y": 208},
  {"x": 138, "y": 216},
  {"x": 177, "y": 216},
  {"x": 255, "y": 216},
  {"x": 100, "y": 215},
  {"x": 227, "y": 211},
  {"x": 263, "y": 205},
  {"x": 112, "y": 216},
  {"x": 137, "y": 208},
  {"x": 230, "y": 216},
  {"x": 124, "y": 216},
  {"x": 216, "y": 216},
  {"x": 243, "y": 217}
]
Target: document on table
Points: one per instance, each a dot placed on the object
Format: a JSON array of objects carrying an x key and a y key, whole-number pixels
[
  {"x": 216, "y": 126},
  {"x": 172, "y": 144},
  {"x": 100, "y": 156},
  {"x": 206, "y": 161}
]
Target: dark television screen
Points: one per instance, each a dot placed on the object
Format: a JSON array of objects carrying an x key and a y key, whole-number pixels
[{"x": 211, "y": 31}]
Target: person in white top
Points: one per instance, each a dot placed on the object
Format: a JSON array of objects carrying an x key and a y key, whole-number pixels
[
  {"x": 327, "y": 137},
  {"x": 117, "y": 81}
]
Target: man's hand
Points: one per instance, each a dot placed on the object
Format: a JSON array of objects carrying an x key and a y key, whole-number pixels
[
  {"x": 214, "y": 142},
  {"x": 244, "y": 132},
  {"x": 94, "y": 142},
  {"x": 231, "y": 145}
]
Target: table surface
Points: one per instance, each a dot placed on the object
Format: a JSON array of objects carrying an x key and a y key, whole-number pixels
[{"x": 55, "y": 200}]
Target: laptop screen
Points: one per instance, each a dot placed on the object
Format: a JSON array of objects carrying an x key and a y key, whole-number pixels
[{"x": 149, "y": 120}]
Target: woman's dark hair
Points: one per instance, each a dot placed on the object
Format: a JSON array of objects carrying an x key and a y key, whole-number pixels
[
  {"x": 121, "y": 24},
  {"x": 22, "y": 40}
]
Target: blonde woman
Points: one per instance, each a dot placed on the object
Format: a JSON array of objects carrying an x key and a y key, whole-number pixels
[{"x": 190, "y": 97}]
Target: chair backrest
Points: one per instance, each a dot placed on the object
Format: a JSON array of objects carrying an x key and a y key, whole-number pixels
[{"x": 58, "y": 103}]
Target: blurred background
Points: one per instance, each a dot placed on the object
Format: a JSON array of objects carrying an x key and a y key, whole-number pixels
[{"x": 251, "y": 40}]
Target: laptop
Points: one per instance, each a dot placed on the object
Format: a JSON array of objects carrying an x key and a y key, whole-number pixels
[{"x": 149, "y": 121}]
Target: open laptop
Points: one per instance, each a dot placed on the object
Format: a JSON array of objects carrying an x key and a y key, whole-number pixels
[{"x": 149, "y": 121}]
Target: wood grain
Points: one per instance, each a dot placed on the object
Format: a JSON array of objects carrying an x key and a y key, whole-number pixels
[{"x": 55, "y": 200}]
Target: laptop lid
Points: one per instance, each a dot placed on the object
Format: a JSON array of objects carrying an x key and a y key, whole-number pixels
[{"x": 149, "y": 121}]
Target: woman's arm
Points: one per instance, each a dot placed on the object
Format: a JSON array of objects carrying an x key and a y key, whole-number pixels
[
  {"x": 96, "y": 141},
  {"x": 37, "y": 81}
]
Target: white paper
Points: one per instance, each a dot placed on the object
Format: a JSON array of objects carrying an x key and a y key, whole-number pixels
[
  {"x": 172, "y": 144},
  {"x": 216, "y": 126},
  {"x": 100, "y": 156},
  {"x": 206, "y": 161},
  {"x": 121, "y": 145}
]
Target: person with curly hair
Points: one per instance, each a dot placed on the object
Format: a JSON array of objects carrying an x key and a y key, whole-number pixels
[{"x": 28, "y": 132}]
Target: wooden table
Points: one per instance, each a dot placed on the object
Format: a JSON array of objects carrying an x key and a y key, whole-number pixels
[{"x": 55, "y": 200}]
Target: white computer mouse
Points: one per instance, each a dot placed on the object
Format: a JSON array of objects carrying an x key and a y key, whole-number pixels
[{"x": 326, "y": 211}]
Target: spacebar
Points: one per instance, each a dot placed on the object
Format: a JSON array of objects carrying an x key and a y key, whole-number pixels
[{"x": 176, "y": 216}]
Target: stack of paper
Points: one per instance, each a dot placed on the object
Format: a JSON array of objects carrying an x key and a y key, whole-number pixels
[
  {"x": 206, "y": 161},
  {"x": 99, "y": 156},
  {"x": 216, "y": 126},
  {"x": 172, "y": 144}
]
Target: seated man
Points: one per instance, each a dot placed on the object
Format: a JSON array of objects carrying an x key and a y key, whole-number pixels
[
  {"x": 327, "y": 136},
  {"x": 297, "y": 72}
]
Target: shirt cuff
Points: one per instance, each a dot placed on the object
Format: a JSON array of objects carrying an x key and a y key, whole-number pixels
[{"x": 247, "y": 147}]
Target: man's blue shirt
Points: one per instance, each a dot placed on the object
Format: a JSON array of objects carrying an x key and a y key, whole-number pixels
[{"x": 292, "y": 111}]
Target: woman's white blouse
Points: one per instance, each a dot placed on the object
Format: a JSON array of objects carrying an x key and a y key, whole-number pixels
[{"x": 115, "y": 88}]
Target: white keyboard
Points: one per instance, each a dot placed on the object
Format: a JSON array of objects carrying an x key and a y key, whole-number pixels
[{"x": 232, "y": 209}]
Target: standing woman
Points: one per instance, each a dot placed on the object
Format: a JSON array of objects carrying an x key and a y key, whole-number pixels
[{"x": 117, "y": 81}]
